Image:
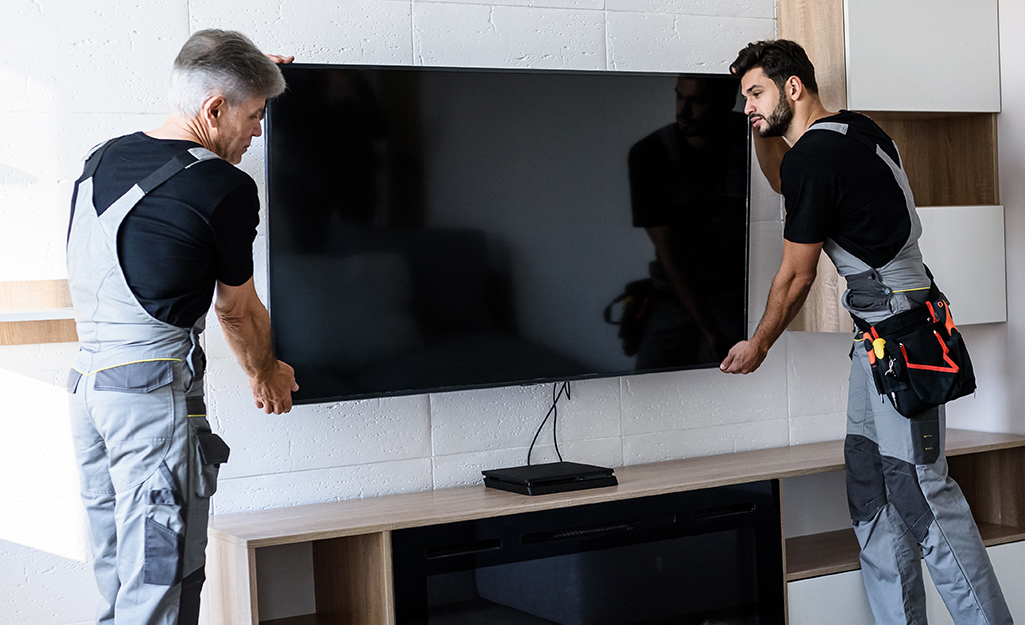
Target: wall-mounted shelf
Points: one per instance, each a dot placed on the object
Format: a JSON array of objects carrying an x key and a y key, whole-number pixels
[
  {"x": 36, "y": 311},
  {"x": 36, "y": 314}
]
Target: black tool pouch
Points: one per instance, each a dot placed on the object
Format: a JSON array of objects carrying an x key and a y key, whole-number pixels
[
  {"x": 636, "y": 302},
  {"x": 918, "y": 357}
]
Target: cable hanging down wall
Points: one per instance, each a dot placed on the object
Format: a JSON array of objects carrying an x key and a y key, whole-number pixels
[{"x": 557, "y": 392}]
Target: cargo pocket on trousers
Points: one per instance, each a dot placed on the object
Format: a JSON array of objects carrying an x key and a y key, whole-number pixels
[
  {"x": 72, "y": 382},
  {"x": 211, "y": 453},
  {"x": 162, "y": 564},
  {"x": 164, "y": 546}
]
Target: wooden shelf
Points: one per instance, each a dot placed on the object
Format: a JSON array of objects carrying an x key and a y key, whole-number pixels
[
  {"x": 822, "y": 554},
  {"x": 351, "y": 540},
  {"x": 36, "y": 311},
  {"x": 305, "y": 619},
  {"x": 37, "y": 314},
  {"x": 950, "y": 159},
  {"x": 827, "y": 553},
  {"x": 990, "y": 478},
  {"x": 993, "y": 534}
]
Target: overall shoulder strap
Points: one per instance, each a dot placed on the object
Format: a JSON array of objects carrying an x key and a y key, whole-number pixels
[
  {"x": 111, "y": 218},
  {"x": 92, "y": 160},
  {"x": 845, "y": 130},
  {"x": 166, "y": 171}
]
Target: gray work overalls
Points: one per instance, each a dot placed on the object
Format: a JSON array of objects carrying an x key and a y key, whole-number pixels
[
  {"x": 902, "y": 501},
  {"x": 147, "y": 459}
]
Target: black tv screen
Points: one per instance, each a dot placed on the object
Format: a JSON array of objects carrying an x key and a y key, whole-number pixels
[{"x": 437, "y": 229}]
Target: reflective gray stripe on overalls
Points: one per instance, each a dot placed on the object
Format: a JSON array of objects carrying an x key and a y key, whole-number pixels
[
  {"x": 901, "y": 499},
  {"x": 138, "y": 423}
]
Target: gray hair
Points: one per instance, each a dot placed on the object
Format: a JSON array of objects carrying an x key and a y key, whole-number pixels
[{"x": 221, "y": 63}]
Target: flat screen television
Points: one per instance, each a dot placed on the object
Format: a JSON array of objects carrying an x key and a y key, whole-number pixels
[{"x": 436, "y": 229}]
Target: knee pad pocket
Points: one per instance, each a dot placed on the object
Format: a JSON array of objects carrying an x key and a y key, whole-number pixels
[
  {"x": 866, "y": 489},
  {"x": 907, "y": 497}
]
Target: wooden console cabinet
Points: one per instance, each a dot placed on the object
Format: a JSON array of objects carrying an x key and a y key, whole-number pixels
[{"x": 351, "y": 540}]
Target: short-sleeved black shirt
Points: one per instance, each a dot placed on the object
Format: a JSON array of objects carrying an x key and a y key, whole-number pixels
[
  {"x": 836, "y": 187},
  {"x": 184, "y": 236}
]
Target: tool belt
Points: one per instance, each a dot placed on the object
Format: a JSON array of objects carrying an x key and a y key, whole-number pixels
[{"x": 918, "y": 357}]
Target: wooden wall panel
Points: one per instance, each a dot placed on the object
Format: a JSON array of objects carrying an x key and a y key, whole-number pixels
[
  {"x": 34, "y": 294},
  {"x": 818, "y": 26},
  {"x": 822, "y": 311}
]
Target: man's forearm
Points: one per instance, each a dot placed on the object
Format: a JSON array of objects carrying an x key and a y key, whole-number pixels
[
  {"x": 246, "y": 326},
  {"x": 248, "y": 336},
  {"x": 786, "y": 297}
]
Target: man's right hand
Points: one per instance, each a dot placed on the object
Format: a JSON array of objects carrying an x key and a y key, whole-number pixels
[
  {"x": 272, "y": 391},
  {"x": 744, "y": 357}
]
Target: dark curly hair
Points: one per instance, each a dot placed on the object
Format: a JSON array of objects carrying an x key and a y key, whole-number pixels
[{"x": 779, "y": 59}]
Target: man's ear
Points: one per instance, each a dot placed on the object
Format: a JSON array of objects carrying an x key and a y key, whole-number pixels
[
  {"x": 213, "y": 110},
  {"x": 794, "y": 88}
]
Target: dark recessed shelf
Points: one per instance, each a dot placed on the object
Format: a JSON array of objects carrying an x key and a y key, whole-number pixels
[
  {"x": 304, "y": 619},
  {"x": 827, "y": 553}
]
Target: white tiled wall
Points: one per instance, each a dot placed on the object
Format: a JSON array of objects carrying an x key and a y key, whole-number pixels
[{"x": 75, "y": 73}]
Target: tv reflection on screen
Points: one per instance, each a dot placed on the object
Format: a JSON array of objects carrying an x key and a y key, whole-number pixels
[
  {"x": 688, "y": 187},
  {"x": 437, "y": 229}
]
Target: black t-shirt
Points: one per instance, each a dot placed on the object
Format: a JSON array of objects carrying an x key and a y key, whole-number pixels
[
  {"x": 184, "y": 236},
  {"x": 836, "y": 187}
]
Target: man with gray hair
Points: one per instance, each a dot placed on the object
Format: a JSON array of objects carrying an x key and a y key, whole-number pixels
[{"x": 160, "y": 222}]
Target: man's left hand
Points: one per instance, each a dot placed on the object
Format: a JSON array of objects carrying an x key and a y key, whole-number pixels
[{"x": 281, "y": 60}]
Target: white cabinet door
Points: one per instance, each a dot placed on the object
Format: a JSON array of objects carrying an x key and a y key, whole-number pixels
[
  {"x": 1009, "y": 564},
  {"x": 838, "y": 599},
  {"x": 841, "y": 600},
  {"x": 964, "y": 248},
  {"x": 922, "y": 55}
]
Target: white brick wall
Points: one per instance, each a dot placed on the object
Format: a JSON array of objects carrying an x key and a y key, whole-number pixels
[{"x": 75, "y": 73}]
